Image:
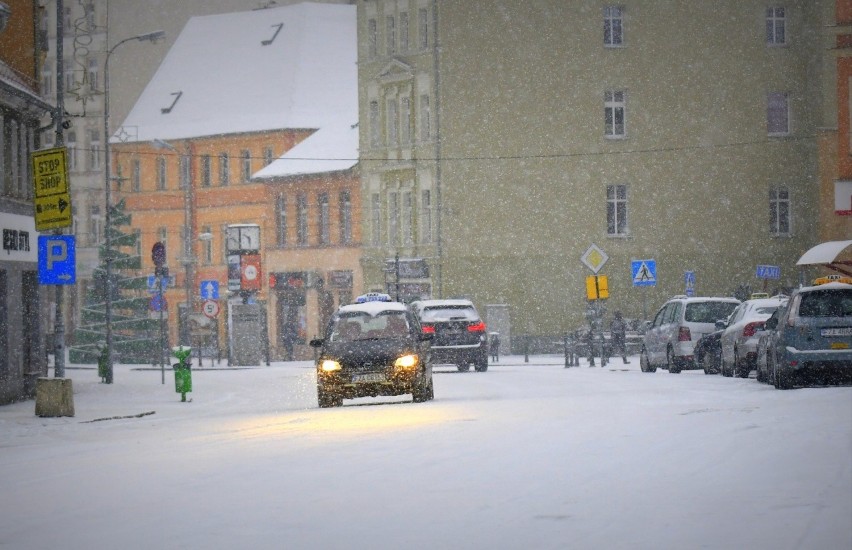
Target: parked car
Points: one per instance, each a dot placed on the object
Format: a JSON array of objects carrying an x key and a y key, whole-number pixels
[
  {"x": 765, "y": 341},
  {"x": 708, "y": 352},
  {"x": 373, "y": 347},
  {"x": 813, "y": 336},
  {"x": 679, "y": 323},
  {"x": 741, "y": 332},
  {"x": 459, "y": 333}
]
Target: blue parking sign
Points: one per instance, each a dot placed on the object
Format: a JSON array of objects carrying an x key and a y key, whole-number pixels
[{"x": 57, "y": 260}]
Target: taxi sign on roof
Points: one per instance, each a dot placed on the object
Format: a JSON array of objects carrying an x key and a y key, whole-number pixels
[{"x": 373, "y": 297}]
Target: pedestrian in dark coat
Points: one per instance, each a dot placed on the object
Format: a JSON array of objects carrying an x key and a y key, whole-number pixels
[{"x": 618, "y": 330}]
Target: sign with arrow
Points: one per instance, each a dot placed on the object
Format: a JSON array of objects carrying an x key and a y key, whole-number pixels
[
  {"x": 57, "y": 260},
  {"x": 52, "y": 195},
  {"x": 209, "y": 289}
]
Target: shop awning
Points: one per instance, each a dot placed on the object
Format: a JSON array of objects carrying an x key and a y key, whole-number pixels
[{"x": 826, "y": 254}]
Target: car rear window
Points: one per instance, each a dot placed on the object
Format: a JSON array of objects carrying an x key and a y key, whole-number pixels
[
  {"x": 708, "y": 312},
  {"x": 835, "y": 302},
  {"x": 447, "y": 313}
]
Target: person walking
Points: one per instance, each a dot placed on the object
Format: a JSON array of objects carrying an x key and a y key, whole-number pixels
[
  {"x": 618, "y": 330},
  {"x": 494, "y": 346}
]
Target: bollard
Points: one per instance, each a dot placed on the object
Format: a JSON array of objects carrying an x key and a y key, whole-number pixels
[
  {"x": 183, "y": 371},
  {"x": 526, "y": 349},
  {"x": 102, "y": 365}
]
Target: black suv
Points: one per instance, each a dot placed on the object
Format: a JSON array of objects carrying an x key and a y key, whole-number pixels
[
  {"x": 459, "y": 333},
  {"x": 373, "y": 347}
]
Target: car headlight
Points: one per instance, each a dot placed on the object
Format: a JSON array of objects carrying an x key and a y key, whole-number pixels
[
  {"x": 329, "y": 365},
  {"x": 406, "y": 361}
]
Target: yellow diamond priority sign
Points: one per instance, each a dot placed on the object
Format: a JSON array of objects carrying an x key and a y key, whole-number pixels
[{"x": 594, "y": 258}]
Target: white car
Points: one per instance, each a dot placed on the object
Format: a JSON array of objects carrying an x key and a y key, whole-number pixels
[
  {"x": 670, "y": 340},
  {"x": 742, "y": 333}
]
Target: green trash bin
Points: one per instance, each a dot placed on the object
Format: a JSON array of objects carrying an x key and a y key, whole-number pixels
[{"x": 183, "y": 371}]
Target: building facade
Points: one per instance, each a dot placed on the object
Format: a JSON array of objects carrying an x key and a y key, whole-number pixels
[
  {"x": 24, "y": 311},
  {"x": 682, "y": 133}
]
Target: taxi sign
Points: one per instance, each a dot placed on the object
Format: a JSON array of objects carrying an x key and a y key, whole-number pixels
[
  {"x": 373, "y": 297},
  {"x": 833, "y": 279}
]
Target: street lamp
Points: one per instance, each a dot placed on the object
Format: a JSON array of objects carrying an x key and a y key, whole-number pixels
[
  {"x": 188, "y": 246},
  {"x": 149, "y": 37}
]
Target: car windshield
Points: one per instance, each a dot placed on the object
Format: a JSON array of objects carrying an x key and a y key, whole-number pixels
[
  {"x": 708, "y": 312},
  {"x": 835, "y": 302},
  {"x": 359, "y": 325},
  {"x": 444, "y": 313}
]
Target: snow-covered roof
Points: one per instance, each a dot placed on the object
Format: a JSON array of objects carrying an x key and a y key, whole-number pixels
[
  {"x": 292, "y": 66},
  {"x": 332, "y": 148}
]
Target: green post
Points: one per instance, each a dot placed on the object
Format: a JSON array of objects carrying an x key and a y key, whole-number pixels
[
  {"x": 102, "y": 364},
  {"x": 183, "y": 371}
]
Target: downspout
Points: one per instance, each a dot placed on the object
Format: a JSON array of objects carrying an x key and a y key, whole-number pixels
[{"x": 438, "y": 197}]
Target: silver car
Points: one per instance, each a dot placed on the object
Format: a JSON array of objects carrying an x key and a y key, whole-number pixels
[
  {"x": 742, "y": 332},
  {"x": 670, "y": 340}
]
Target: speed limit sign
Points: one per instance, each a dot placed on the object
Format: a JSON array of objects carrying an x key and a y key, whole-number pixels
[{"x": 210, "y": 308}]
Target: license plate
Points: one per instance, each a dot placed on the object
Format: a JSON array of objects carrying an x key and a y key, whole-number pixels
[
  {"x": 370, "y": 377},
  {"x": 838, "y": 331}
]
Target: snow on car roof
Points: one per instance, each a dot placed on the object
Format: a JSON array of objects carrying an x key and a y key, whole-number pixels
[
  {"x": 372, "y": 308},
  {"x": 445, "y": 303}
]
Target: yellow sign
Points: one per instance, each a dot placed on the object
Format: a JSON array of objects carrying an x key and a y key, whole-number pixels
[
  {"x": 50, "y": 176},
  {"x": 53, "y": 212},
  {"x": 50, "y": 182},
  {"x": 597, "y": 287}
]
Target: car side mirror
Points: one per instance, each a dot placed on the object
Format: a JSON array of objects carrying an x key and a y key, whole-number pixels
[
  {"x": 317, "y": 342},
  {"x": 721, "y": 325},
  {"x": 771, "y": 323}
]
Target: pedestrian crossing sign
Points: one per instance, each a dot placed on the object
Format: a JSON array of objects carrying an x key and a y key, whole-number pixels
[{"x": 644, "y": 272}]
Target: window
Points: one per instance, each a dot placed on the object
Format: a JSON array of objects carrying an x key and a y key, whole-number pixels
[
  {"x": 207, "y": 246},
  {"x": 393, "y": 219},
  {"x": 71, "y": 150},
  {"x": 372, "y": 39},
  {"x": 94, "y": 150},
  {"x": 267, "y": 156},
  {"x": 302, "y": 220},
  {"x": 70, "y": 82},
  {"x": 137, "y": 242},
  {"x": 46, "y": 82},
  {"x": 95, "y": 223},
  {"x": 403, "y": 31},
  {"x": 375, "y": 136},
  {"x": 423, "y": 27},
  {"x": 616, "y": 210},
  {"x": 426, "y": 217},
  {"x": 779, "y": 211},
  {"x": 390, "y": 34},
  {"x": 224, "y": 169},
  {"x": 425, "y": 119},
  {"x": 205, "y": 170},
  {"x": 614, "y": 111},
  {"x": 93, "y": 74},
  {"x": 393, "y": 122},
  {"x": 777, "y": 114},
  {"x": 323, "y": 221},
  {"x": 405, "y": 120},
  {"x": 613, "y": 26},
  {"x": 161, "y": 173},
  {"x": 776, "y": 26},
  {"x": 135, "y": 176},
  {"x": 376, "y": 225},
  {"x": 245, "y": 159},
  {"x": 184, "y": 171},
  {"x": 281, "y": 228},
  {"x": 163, "y": 237},
  {"x": 345, "y": 217},
  {"x": 407, "y": 220}
]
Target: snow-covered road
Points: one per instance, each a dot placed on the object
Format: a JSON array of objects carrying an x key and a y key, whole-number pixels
[{"x": 523, "y": 456}]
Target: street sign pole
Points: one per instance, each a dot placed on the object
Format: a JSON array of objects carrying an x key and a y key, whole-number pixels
[{"x": 162, "y": 332}]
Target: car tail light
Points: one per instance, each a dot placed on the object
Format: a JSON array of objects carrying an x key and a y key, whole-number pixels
[
  {"x": 751, "y": 328},
  {"x": 683, "y": 335},
  {"x": 428, "y": 329},
  {"x": 476, "y": 327}
]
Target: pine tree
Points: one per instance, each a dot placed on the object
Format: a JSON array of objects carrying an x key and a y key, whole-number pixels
[{"x": 133, "y": 331}]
